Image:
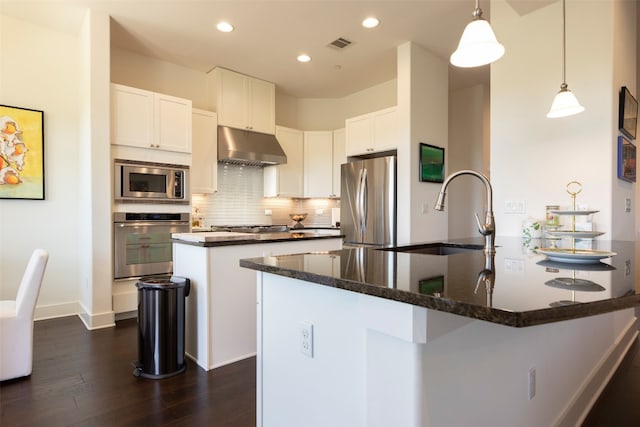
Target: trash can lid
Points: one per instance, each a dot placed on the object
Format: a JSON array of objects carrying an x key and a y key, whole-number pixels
[{"x": 161, "y": 282}]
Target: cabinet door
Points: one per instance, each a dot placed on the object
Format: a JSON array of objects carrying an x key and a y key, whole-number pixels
[
  {"x": 131, "y": 116},
  {"x": 339, "y": 157},
  {"x": 318, "y": 164},
  {"x": 286, "y": 180},
  {"x": 173, "y": 123},
  {"x": 231, "y": 98},
  {"x": 385, "y": 129},
  {"x": 359, "y": 134},
  {"x": 204, "y": 166},
  {"x": 261, "y": 105}
]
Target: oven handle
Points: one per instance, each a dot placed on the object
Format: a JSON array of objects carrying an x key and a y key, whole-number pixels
[{"x": 150, "y": 224}]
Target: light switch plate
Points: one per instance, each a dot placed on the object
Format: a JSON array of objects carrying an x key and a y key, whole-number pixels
[{"x": 515, "y": 207}]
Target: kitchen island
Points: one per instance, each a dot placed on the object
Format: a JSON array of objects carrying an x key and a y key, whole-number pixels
[
  {"x": 368, "y": 337},
  {"x": 220, "y": 310}
]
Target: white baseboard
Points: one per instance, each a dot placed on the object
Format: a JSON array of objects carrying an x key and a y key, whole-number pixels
[
  {"x": 230, "y": 361},
  {"x": 91, "y": 321},
  {"x": 218, "y": 365},
  {"x": 96, "y": 321},
  {"x": 53, "y": 311},
  {"x": 584, "y": 399}
]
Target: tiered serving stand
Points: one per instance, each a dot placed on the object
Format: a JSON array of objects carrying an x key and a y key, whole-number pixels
[
  {"x": 572, "y": 258},
  {"x": 573, "y": 255}
]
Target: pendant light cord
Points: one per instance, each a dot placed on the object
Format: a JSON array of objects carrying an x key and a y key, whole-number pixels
[
  {"x": 477, "y": 12},
  {"x": 564, "y": 45}
]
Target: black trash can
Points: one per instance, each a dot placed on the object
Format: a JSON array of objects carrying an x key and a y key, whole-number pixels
[{"x": 161, "y": 301}]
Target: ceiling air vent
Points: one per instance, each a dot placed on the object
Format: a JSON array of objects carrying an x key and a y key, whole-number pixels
[{"x": 340, "y": 43}]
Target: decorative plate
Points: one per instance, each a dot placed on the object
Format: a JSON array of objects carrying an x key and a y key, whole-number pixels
[
  {"x": 577, "y": 256},
  {"x": 596, "y": 266},
  {"x": 573, "y": 284},
  {"x": 573, "y": 212},
  {"x": 575, "y": 234}
]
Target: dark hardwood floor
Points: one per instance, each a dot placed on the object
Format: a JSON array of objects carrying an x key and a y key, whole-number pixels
[{"x": 83, "y": 378}]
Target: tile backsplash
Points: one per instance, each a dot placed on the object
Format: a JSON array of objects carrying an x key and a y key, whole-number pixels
[{"x": 240, "y": 201}]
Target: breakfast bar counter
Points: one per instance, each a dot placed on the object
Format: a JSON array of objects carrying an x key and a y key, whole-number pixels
[
  {"x": 388, "y": 337},
  {"x": 516, "y": 287}
]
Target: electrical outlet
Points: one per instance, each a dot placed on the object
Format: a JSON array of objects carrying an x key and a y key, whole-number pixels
[
  {"x": 268, "y": 212},
  {"x": 627, "y": 268},
  {"x": 425, "y": 208},
  {"x": 515, "y": 265},
  {"x": 319, "y": 211},
  {"x": 627, "y": 204},
  {"x": 515, "y": 207},
  {"x": 306, "y": 339},
  {"x": 532, "y": 383}
]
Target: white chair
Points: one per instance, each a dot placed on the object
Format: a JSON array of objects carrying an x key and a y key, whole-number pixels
[{"x": 16, "y": 321}]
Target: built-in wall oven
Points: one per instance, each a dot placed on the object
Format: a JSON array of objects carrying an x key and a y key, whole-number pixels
[{"x": 142, "y": 242}]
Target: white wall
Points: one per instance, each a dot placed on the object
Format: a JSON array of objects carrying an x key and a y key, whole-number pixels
[
  {"x": 330, "y": 114},
  {"x": 533, "y": 157},
  {"x": 95, "y": 221},
  {"x": 40, "y": 69},
  {"x": 143, "y": 72},
  {"x": 625, "y": 45},
  {"x": 465, "y": 151},
  {"x": 423, "y": 100}
]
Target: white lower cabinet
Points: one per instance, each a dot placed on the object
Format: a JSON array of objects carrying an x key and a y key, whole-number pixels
[{"x": 221, "y": 308}]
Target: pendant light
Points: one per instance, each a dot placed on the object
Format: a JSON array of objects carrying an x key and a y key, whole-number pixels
[
  {"x": 565, "y": 103},
  {"x": 478, "y": 45}
]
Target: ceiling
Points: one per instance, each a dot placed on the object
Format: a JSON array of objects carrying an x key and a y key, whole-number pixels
[{"x": 269, "y": 34}]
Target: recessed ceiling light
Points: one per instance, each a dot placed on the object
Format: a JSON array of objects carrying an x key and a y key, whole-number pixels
[
  {"x": 304, "y": 58},
  {"x": 370, "y": 22},
  {"x": 224, "y": 27}
]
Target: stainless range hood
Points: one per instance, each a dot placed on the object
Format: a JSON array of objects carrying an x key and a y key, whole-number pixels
[{"x": 238, "y": 146}]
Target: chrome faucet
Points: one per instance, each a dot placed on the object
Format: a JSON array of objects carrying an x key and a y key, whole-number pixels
[{"x": 488, "y": 229}]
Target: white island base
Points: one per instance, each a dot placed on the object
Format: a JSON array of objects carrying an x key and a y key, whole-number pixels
[
  {"x": 221, "y": 308},
  {"x": 378, "y": 362}
]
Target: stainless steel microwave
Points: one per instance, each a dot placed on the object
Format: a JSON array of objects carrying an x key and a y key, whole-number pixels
[{"x": 137, "y": 181}]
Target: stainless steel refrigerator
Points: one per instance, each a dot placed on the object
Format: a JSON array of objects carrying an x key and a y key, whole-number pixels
[{"x": 368, "y": 201}]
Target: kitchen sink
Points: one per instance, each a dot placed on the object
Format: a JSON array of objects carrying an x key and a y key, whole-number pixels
[{"x": 440, "y": 248}]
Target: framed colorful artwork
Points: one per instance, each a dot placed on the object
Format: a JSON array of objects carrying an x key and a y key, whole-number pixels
[
  {"x": 21, "y": 153},
  {"x": 628, "y": 114},
  {"x": 626, "y": 159}
]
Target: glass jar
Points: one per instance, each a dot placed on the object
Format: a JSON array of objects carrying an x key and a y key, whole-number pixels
[{"x": 553, "y": 219}]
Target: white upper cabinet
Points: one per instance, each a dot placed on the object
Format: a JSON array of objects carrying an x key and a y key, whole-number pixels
[
  {"x": 204, "y": 166},
  {"x": 318, "y": 164},
  {"x": 372, "y": 132},
  {"x": 286, "y": 180},
  {"x": 140, "y": 118},
  {"x": 243, "y": 102},
  {"x": 339, "y": 157}
]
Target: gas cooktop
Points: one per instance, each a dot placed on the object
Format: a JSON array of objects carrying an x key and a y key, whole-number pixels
[{"x": 251, "y": 228}]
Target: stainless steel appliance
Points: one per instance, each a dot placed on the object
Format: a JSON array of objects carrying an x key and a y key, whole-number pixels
[
  {"x": 137, "y": 181},
  {"x": 245, "y": 147},
  {"x": 368, "y": 201},
  {"x": 142, "y": 242}
]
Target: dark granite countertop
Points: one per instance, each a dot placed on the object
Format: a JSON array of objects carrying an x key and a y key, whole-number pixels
[
  {"x": 518, "y": 287},
  {"x": 202, "y": 238}
]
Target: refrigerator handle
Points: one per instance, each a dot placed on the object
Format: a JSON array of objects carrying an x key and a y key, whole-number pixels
[
  {"x": 358, "y": 204},
  {"x": 364, "y": 199}
]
